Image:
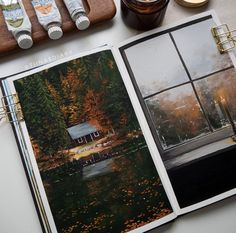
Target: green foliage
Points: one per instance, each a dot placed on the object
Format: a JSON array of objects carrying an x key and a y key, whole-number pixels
[
  {"x": 45, "y": 123},
  {"x": 85, "y": 89},
  {"x": 102, "y": 75}
]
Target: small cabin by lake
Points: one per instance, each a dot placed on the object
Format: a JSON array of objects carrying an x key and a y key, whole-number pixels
[{"x": 84, "y": 133}]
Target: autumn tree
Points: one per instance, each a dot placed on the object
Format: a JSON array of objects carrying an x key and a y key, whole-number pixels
[{"x": 117, "y": 103}]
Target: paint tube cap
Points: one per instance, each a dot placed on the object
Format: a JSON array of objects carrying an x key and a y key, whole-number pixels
[
  {"x": 82, "y": 22},
  {"x": 55, "y": 32},
  {"x": 25, "y": 41}
]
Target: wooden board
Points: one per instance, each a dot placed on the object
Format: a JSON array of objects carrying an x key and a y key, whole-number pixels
[{"x": 97, "y": 10}]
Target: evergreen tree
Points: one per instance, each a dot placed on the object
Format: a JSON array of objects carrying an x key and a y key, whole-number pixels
[
  {"x": 43, "y": 118},
  {"x": 117, "y": 104}
]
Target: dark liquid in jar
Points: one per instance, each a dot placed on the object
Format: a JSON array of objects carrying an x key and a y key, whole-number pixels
[{"x": 143, "y": 14}]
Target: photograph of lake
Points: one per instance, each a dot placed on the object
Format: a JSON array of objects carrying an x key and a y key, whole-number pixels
[{"x": 95, "y": 165}]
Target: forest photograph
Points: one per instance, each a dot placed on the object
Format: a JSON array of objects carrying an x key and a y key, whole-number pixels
[{"x": 94, "y": 162}]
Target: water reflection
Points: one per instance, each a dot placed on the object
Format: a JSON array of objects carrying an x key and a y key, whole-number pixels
[
  {"x": 98, "y": 169},
  {"x": 114, "y": 195}
]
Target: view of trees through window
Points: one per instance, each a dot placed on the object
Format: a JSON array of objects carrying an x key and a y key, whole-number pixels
[
  {"x": 190, "y": 92},
  {"x": 177, "y": 116},
  {"x": 216, "y": 93}
]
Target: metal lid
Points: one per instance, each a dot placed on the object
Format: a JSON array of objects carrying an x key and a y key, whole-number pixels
[
  {"x": 25, "y": 41},
  {"x": 192, "y": 3},
  {"x": 55, "y": 32},
  {"x": 82, "y": 22}
]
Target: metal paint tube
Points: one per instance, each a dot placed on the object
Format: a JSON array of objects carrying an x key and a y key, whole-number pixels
[
  {"x": 49, "y": 17},
  {"x": 78, "y": 13},
  {"x": 17, "y": 22}
]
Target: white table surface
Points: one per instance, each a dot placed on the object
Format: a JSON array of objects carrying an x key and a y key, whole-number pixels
[{"x": 17, "y": 211}]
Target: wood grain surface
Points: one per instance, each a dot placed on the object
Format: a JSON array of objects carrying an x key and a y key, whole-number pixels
[{"x": 97, "y": 10}]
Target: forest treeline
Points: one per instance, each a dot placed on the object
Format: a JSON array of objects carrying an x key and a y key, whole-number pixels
[{"x": 87, "y": 89}]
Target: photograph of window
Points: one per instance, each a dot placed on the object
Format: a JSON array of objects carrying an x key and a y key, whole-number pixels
[
  {"x": 187, "y": 90},
  {"x": 156, "y": 65},
  {"x": 169, "y": 111}
]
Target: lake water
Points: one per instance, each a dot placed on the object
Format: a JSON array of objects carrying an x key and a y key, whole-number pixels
[
  {"x": 114, "y": 195},
  {"x": 98, "y": 169}
]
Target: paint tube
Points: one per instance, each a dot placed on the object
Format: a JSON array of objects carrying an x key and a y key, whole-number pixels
[
  {"x": 49, "y": 17},
  {"x": 17, "y": 22},
  {"x": 77, "y": 13}
]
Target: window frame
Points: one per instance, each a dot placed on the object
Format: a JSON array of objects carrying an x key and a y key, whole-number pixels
[{"x": 214, "y": 134}]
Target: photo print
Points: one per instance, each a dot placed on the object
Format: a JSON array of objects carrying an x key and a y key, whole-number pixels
[
  {"x": 187, "y": 91},
  {"x": 94, "y": 162}
]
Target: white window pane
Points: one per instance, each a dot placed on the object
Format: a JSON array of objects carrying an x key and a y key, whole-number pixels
[
  {"x": 156, "y": 65},
  {"x": 198, "y": 49}
]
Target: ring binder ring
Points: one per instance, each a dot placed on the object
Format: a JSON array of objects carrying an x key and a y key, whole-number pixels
[
  {"x": 11, "y": 108},
  {"x": 224, "y": 37}
]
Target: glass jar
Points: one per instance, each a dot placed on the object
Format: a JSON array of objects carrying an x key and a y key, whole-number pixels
[{"x": 143, "y": 14}]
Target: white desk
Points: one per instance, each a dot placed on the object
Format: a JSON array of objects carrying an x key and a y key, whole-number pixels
[{"x": 17, "y": 211}]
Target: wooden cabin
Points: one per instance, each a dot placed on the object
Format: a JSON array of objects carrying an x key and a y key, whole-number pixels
[{"x": 84, "y": 133}]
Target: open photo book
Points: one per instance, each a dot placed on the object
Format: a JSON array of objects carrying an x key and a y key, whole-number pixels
[{"x": 126, "y": 138}]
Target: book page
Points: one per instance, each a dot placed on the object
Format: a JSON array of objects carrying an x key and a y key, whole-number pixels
[
  {"x": 187, "y": 91},
  {"x": 91, "y": 162}
]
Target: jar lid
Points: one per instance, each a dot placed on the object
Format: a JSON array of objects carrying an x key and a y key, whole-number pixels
[
  {"x": 192, "y": 3},
  {"x": 145, "y": 7},
  {"x": 55, "y": 32},
  {"x": 25, "y": 41},
  {"x": 82, "y": 22}
]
